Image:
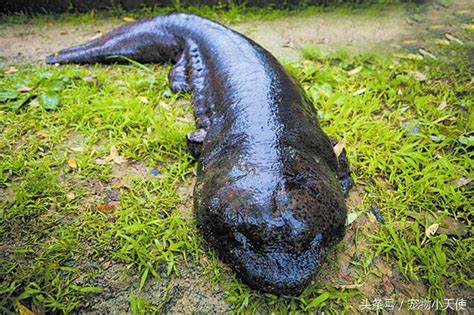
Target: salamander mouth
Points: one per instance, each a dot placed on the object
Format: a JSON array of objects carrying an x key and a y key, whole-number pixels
[{"x": 277, "y": 270}]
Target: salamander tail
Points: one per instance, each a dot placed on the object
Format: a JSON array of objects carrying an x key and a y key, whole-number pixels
[{"x": 144, "y": 41}]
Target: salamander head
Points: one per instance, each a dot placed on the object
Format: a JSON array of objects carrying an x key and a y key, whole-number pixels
[
  {"x": 275, "y": 244},
  {"x": 277, "y": 269}
]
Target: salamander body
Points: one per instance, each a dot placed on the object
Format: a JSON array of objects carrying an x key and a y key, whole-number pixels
[{"x": 268, "y": 196}]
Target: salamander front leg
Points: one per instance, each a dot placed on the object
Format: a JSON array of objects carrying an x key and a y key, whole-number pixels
[{"x": 195, "y": 140}]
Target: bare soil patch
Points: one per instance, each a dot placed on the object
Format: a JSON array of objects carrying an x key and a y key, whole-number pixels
[{"x": 30, "y": 43}]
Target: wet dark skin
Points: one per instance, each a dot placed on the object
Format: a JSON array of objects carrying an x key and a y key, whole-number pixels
[{"x": 268, "y": 196}]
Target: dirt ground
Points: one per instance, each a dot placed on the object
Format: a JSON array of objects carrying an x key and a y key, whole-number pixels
[{"x": 283, "y": 37}]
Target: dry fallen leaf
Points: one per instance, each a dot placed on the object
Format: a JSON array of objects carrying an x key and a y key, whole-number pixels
[
  {"x": 409, "y": 56},
  {"x": 459, "y": 182},
  {"x": 143, "y": 99},
  {"x": 89, "y": 77},
  {"x": 409, "y": 42},
  {"x": 430, "y": 231},
  {"x": 106, "y": 265},
  {"x": 443, "y": 104},
  {"x": 443, "y": 42},
  {"x": 339, "y": 147},
  {"x": 97, "y": 35},
  {"x": 100, "y": 161},
  {"x": 355, "y": 70},
  {"x": 35, "y": 103},
  {"x": 11, "y": 70},
  {"x": 203, "y": 259},
  {"x": 164, "y": 105},
  {"x": 347, "y": 277},
  {"x": 427, "y": 53},
  {"x": 383, "y": 268},
  {"x": 185, "y": 119},
  {"x": 436, "y": 26},
  {"x": 72, "y": 163},
  {"x": 98, "y": 187},
  {"x": 348, "y": 286},
  {"x": 419, "y": 76},
  {"x": 113, "y": 153},
  {"x": 77, "y": 149},
  {"x": 358, "y": 92},
  {"x": 351, "y": 217},
  {"x": 41, "y": 134},
  {"x": 24, "y": 89},
  {"x": 454, "y": 39},
  {"x": 114, "y": 156},
  {"x": 468, "y": 27},
  {"x": 23, "y": 310},
  {"x": 128, "y": 19},
  {"x": 387, "y": 285},
  {"x": 117, "y": 184},
  {"x": 108, "y": 207},
  {"x": 377, "y": 117},
  {"x": 462, "y": 12},
  {"x": 140, "y": 169}
]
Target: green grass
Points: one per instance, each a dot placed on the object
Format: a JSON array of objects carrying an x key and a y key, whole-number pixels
[
  {"x": 408, "y": 124},
  {"x": 227, "y": 14},
  {"x": 52, "y": 229},
  {"x": 406, "y": 170}
]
